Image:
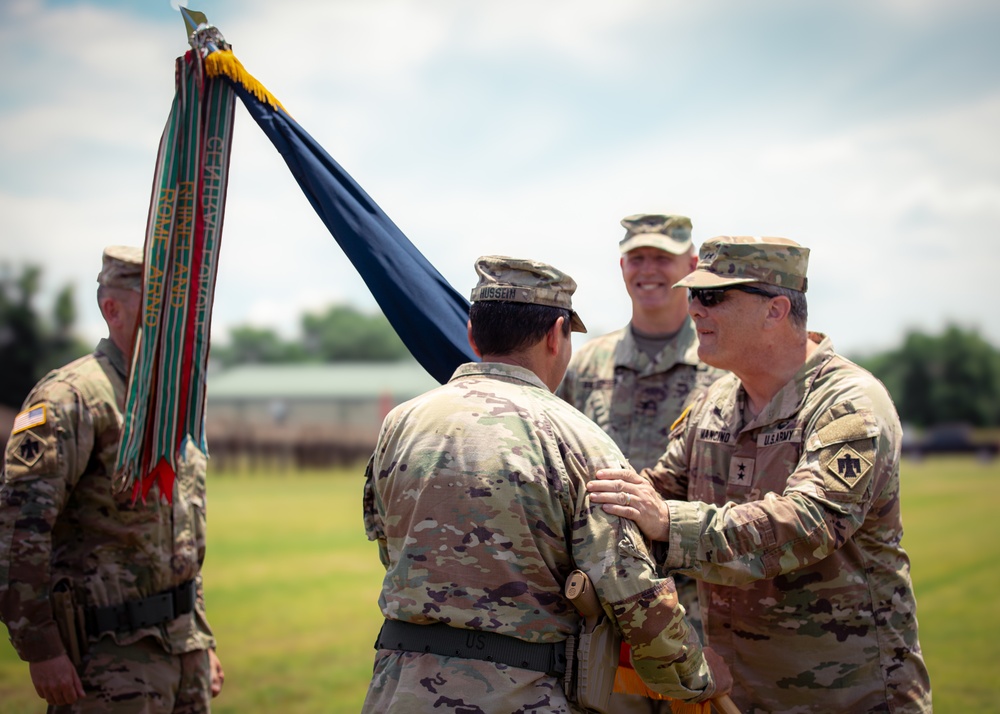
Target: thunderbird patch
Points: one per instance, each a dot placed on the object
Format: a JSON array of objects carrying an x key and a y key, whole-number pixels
[
  {"x": 29, "y": 451},
  {"x": 849, "y": 466}
]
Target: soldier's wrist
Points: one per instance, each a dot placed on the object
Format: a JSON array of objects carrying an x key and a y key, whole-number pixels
[{"x": 39, "y": 644}]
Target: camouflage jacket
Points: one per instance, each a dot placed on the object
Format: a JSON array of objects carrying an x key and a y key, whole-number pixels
[
  {"x": 476, "y": 495},
  {"x": 60, "y": 517},
  {"x": 792, "y": 524},
  {"x": 633, "y": 398}
]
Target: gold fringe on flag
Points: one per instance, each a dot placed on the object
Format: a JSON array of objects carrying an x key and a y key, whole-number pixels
[{"x": 224, "y": 62}]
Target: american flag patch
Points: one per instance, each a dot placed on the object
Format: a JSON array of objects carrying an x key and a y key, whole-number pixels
[{"x": 29, "y": 418}]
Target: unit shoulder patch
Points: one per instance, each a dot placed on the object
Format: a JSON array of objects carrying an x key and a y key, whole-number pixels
[
  {"x": 28, "y": 451},
  {"x": 847, "y": 469}
]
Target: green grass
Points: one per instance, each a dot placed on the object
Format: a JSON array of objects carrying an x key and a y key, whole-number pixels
[
  {"x": 292, "y": 593},
  {"x": 292, "y": 587},
  {"x": 952, "y": 533}
]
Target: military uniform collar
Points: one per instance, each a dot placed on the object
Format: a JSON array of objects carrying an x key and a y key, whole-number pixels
[
  {"x": 110, "y": 350},
  {"x": 506, "y": 372},
  {"x": 682, "y": 349},
  {"x": 790, "y": 398}
]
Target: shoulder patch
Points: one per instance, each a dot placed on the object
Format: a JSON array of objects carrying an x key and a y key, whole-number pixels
[
  {"x": 28, "y": 451},
  {"x": 29, "y": 418},
  {"x": 850, "y": 427},
  {"x": 849, "y": 466}
]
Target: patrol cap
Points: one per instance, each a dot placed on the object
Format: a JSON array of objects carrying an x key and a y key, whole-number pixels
[
  {"x": 507, "y": 279},
  {"x": 671, "y": 234},
  {"x": 731, "y": 260},
  {"x": 122, "y": 267}
]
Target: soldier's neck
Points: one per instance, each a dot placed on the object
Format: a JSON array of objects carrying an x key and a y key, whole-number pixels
[
  {"x": 770, "y": 369},
  {"x": 659, "y": 322}
]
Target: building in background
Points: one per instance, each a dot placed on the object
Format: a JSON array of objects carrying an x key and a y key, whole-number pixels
[{"x": 292, "y": 416}]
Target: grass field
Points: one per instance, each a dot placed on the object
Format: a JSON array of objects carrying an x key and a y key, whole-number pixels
[{"x": 292, "y": 587}]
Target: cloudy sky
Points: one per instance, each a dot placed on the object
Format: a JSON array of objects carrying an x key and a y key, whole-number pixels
[{"x": 868, "y": 130}]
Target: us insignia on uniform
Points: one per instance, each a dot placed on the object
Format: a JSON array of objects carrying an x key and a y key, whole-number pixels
[
  {"x": 849, "y": 466},
  {"x": 28, "y": 419}
]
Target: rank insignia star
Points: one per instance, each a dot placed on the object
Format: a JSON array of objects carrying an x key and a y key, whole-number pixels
[{"x": 741, "y": 471}]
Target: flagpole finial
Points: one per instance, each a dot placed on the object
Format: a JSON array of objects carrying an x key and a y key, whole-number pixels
[
  {"x": 192, "y": 19},
  {"x": 202, "y": 35}
]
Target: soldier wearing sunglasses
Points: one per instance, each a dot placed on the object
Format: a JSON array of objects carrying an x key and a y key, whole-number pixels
[{"x": 779, "y": 493}]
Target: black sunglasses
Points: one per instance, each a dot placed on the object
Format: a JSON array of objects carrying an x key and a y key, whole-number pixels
[{"x": 710, "y": 297}]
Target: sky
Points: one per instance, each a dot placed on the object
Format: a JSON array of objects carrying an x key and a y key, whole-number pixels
[{"x": 867, "y": 130}]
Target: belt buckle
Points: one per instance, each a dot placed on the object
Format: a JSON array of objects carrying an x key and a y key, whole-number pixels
[
  {"x": 150, "y": 611},
  {"x": 185, "y": 597}
]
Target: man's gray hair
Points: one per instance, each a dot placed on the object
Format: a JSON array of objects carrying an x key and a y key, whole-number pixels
[{"x": 800, "y": 310}]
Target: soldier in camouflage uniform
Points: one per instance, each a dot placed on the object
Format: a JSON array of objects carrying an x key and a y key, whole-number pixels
[
  {"x": 785, "y": 485},
  {"x": 130, "y": 572},
  {"x": 476, "y": 495},
  {"x": 636, "y": 381}
]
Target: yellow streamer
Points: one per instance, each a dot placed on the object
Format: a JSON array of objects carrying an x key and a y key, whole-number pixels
[{"x": 224, "y": 62}]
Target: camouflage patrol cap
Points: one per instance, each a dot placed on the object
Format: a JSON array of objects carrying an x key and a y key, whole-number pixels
[
  {"x": 521, "y": 280},
  {"x": 731, "y": 260},
  {"x": 671, "y": 234},
  {"x": 122, "y": 267}
]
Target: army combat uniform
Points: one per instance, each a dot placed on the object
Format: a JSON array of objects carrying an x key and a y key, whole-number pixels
[
  {"x": 632, "y": 397},
  {"x": 476, "y": 496},
  {"x": 132, "y": 568},
  {"x": 793, "y": 529}
]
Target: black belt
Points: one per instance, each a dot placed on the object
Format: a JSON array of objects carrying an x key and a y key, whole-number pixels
[
  {"x": 442, "y": 639},
  {"x": 133, "y": 615}
]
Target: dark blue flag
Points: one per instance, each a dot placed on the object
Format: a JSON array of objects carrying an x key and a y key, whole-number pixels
[{"x": 425, "y": 310}]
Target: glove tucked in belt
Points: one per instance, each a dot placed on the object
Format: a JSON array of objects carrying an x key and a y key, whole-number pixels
[{"x": 133, "y": 615}]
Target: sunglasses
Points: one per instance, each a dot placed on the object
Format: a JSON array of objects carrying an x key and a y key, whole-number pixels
[{"x": 710, "y": 297}]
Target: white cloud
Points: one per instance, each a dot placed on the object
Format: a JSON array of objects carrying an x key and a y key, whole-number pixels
[{"x": 514, "y": 127}]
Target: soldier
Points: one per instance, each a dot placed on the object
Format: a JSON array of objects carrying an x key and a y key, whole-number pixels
[
  {"x": 476, "y": 495},
  {"x": 102, "y": 596},
  {"x": 783, "y": 488},
  {"x": 636, "y": 381}
]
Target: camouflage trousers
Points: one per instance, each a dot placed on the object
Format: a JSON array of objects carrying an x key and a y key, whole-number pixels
[
  {"x": 142, "y": 679},
  {"x": 412, "y": 683}
]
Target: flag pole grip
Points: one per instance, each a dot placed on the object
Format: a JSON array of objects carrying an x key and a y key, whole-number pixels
[{"x": 725, "y": 705}]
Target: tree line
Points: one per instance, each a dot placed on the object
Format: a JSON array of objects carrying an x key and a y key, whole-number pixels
[{"x": 934, "y": 379}]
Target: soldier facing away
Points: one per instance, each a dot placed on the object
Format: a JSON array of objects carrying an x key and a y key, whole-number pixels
[
  {"x": 101, "y": 595},
  {"x": 476, "y": 495},
  {"x": 782, "y": 488}
]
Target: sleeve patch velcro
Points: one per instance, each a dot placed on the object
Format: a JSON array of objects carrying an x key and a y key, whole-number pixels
[
  {"x": 849, "y": 466},
  {"x": 850, "y": 427}
]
